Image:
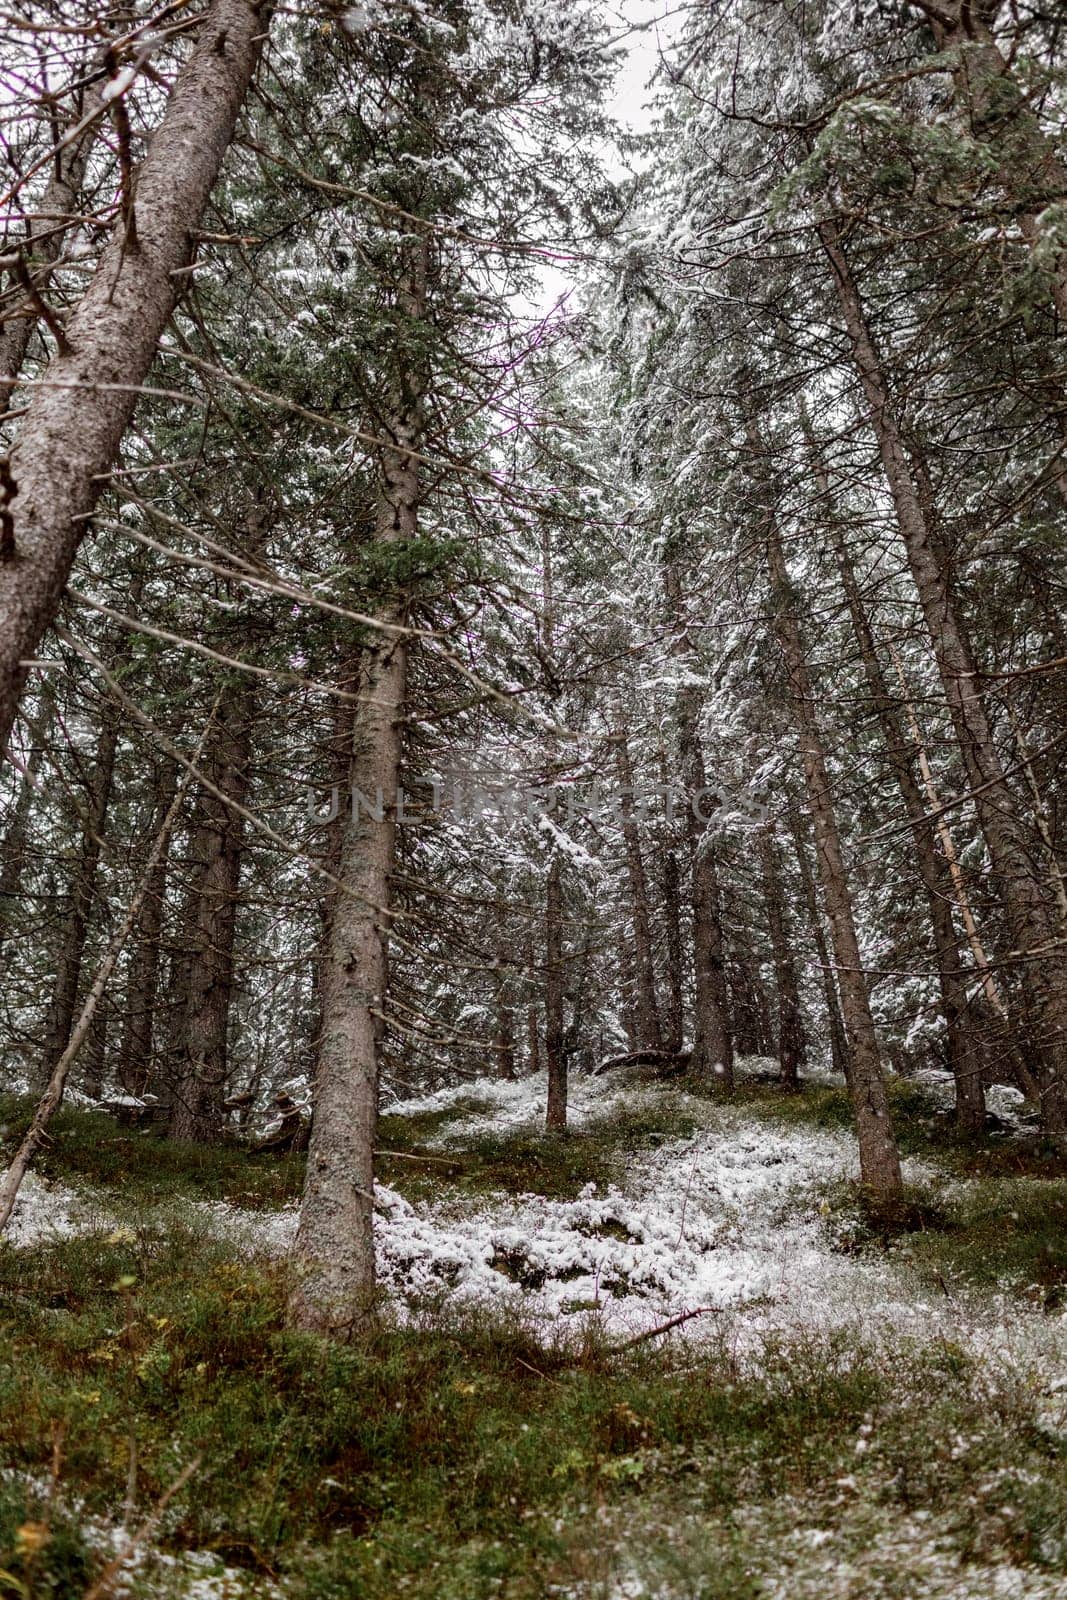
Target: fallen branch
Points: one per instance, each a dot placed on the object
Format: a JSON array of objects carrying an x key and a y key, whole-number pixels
[
  {"x": 106, "y": 1581},
  {"x": 667, "y": 1061},
  {"x": 404, "y": 1155},
  {"x": 664, "y": 1327}
]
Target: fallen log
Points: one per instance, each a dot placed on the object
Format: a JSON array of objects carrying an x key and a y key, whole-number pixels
[{"x": 665, "y": 1063}]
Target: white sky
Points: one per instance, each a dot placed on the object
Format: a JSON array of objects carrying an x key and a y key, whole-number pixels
[
  {"x": 643, "y": 26},
  {"x": 655, "y": 22}
]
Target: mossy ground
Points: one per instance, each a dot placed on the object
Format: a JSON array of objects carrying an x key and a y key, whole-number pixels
[
  {"x": 996, "y": 1216},
  {"x": 90, "y": 1147},
  {"x": 468, "y": 1456},
  {"x": 524, "y": 1159},
  {"x": 923, "y": 1128}
]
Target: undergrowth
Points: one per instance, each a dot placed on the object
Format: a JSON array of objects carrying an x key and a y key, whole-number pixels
[
  {"x": 998, "y": 1234},
  {"x": 458, "y": 1458},
  {"x": 923, "y": 1128},
  {"x": 91, "y": 1146},
  {"x": 524, "y": 1159},
  {"x": 998, "y": 1222}
]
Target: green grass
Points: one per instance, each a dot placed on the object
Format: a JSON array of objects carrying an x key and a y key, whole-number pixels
[
  {"x": 460, "y": 1458},
  {"x": 998, "y": 1233},
  {"x": 425, "y": 1127},
  {"x": 526, "y": 1160},
  {"x": 923, "y": 1129},
  {"x": 146, "y": 1167},
  {"x": 1001, "y": 1225},
  {"x": 92, "y": 1147}
]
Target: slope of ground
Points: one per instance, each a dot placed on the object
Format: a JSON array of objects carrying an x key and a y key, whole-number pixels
[{"x": 859, "y": 1409}]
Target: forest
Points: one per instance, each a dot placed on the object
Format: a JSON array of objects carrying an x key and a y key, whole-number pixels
[{"x": 533, "y": 705}]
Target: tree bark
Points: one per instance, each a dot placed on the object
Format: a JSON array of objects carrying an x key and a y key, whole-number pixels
[
  {"x": 1042, "y": 971},
  {"x": 334, "y": 1249},
  {"x": 627, "y": 1014},
  {"x": 533, "y": 1041},
  {"x": 646, "y": 1010},
  {"x": 963, "y": 1059},
  {"x": 834, "y": 1023},
  {"x": 879, "y": 1160},
  {"x": 201, "y": 1073},
  {"x": 749, "y": 1001},
  {"x": 75, "y": 422},
  {"x": 713, "y": 1044},
  {"x": 94, "y": 1053},
  {"x": 135, "y": 1047},
  {"x": 792, "y": 1044},
  {"x": 504, "y": 1029},
  {"x": 62, "y": 1008},
  {"x": 13, "y": 848},
  {"x": 555, "y": 1053},
  {"x": 672, "y": 911},
  {"x": 51, "y": 1100}
]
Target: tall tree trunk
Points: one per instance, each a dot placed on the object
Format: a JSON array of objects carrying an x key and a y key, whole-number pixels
[
  {"x": 997, "y": 1006},
  {"x": 1042, "y": 970},
  {"x": 879, "y": 1161},
  {"x": 792, "y": 1045},
  {"x": 201, "y": 1072},
  {"x": 964, "y": 1060},
  {"x": 713, "y": 1044},
  {"x": 94, "y": 1053},
  {"x": 672, "y": 911},
  {"x": 1042, "y": 820},
  {"x": 983, "y": 969},
  {"x": 533, "y": 1030},
  {"x": 334, "y": 1250},
  {"x": 646, "y": 1010},
  {"x": 63, "y": 1005},
  {"x": 627, "y": 1013},
  {"x": 52, "y": 1097},
  {"x": 75, "y": 422},
  {"x": 748, "y": 1038},
  {"x": 504, "y": 1029},
  {"x": 13, "y": 846},
  {"x": 339, "y": 770},
  {"x": 555, "y": 1052},
  {"x": 834, "y": 1023},
  {"x": 135, "y": 1048},
  {"x": 750, "y": 996},
  {"x": 533, "y": 1041}
]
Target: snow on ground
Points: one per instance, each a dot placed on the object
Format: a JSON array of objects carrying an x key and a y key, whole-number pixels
[
  {"x": 1002, "y": 1099},
  {"x": 50, "y": 1210},
  {"x": 728, "y": 1219}
]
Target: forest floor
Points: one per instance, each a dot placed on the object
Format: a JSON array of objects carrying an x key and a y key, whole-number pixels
[{"x": 869, "y": 1404}]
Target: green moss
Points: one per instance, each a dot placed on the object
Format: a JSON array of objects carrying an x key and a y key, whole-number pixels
[
  {"x": 445, "y": 1456},
  {"x": 527, "y": 1160},
  {"x": 146, "y": 1166},
  {"x": 1001, "y": 1233},
  {"x": 923, "y": 1128}
]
